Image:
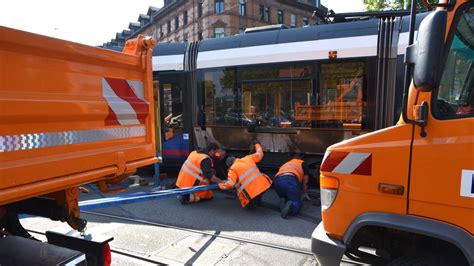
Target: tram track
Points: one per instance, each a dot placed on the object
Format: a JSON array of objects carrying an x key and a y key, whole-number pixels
[
  {"x": 219, "y": 235},
  {"x": 125, "y": 253}
]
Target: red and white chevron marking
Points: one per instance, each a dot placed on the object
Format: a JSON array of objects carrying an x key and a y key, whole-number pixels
[
  {"x": 356, "y": 163},
  {"x": 126, "y": 100}
]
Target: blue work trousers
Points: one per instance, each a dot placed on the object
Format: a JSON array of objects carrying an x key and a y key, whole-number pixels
[{"x": 288, "y": 187}]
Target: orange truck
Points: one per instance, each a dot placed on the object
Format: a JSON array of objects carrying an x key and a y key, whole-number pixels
[
  {"x": 70, "y": 114},
  {"x": 405, "y": 194}
]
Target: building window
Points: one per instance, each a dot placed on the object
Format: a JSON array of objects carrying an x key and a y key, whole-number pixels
[
  {"x": 219, "y": 6},
  {"x": 266, "y": 15},
  {"x": 305, "y": 21},
  {"x": 242, "y": 8},
  {"x": 185, "y": 17},
  {"x": 280, "y": 17},
  {"x": 199, "y": 9},
  {"x": 169, "y": 27},
  {"x": 293, "y": 20},
  {"x": 176, "y": 23},
  {"x": 219, "y": 32},
  {"x": 200, "y": 35},
  {"x": 161, "y": 31}
]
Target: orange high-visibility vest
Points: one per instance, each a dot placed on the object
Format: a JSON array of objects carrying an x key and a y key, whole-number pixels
[
  {"x": 294, "y": 167},
  {"x": 191, "y": 174},
  {"x": 249, "y": 182}
]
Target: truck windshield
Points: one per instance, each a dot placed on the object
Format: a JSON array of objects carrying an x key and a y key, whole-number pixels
[{"x": 456, "y": 92}]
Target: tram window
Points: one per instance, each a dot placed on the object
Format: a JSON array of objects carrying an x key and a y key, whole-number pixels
[
  {"x": 341, "y": 100},
  {"x": 172, "y": 110},
  {"x": 219, "y": 106},
  {"x": 272, "y": 104},
  {"x": 270, "y": 95}
]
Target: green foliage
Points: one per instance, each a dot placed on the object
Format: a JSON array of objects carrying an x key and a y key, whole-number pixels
[{"x": 380, "y": 5}]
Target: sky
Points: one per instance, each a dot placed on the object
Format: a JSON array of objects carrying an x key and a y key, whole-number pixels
[{"x": 94, "y": 22}]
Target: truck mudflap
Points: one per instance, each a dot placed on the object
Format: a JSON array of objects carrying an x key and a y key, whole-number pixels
[{"x": 327, "y": 251}]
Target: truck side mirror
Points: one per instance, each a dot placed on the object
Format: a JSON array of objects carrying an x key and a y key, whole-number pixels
[{"x": 426, "y": 53}]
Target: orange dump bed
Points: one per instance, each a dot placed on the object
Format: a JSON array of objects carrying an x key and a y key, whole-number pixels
[{"x": 71, "y": 114}]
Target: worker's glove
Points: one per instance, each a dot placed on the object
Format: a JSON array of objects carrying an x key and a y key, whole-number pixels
[
  {"x": 222, "y": 186},
  {"x": 305, "y": 196}
]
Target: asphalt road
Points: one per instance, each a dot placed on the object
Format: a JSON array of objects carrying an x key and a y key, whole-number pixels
[{"x": 220, "y": 216}]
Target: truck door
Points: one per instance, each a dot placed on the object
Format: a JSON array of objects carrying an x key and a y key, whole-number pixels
[
  {"x": 174, "y": 130},
  {"x": 442, "y": 170}
]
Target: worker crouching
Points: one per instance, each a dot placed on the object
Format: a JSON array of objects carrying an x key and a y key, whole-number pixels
[
  {"x": 291, "y": 185},
  {"x": 246, "y": 178},
  {"x": 198, "y": 170}
]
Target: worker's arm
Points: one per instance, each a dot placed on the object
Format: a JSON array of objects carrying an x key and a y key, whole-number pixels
[
  {"x": 305, "y": 177},
  {"x": 207, "y": 172},
  {"x": 305, "y": 183},
  {"x": 258, "y": 155},
  {"x": 230, "y": 182},
  {"x": 305, "y": 195}
]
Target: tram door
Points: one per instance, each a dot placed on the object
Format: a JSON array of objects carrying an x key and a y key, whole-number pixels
[{"x": 175, "y": 132}]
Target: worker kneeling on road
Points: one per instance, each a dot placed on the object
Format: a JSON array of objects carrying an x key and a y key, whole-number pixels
[
  {"x": 289, "y": 182},
  {"x": 244, "y": 175},
  {"x": 197, "y": 170}
]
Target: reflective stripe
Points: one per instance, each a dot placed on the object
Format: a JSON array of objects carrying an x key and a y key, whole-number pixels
[
  {"x": 11, "y": 143},
  {"x": 193, "y": 166},
  {"x": 187, "y": 170},
  {"x": 290, "y": 166},
  {"x": 248, "y": 181},
  {"x": 230, "y": 182},
  {"x": 244, "y": 175}
]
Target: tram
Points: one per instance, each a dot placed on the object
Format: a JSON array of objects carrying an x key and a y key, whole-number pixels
[{"x": 294, "y": 90}]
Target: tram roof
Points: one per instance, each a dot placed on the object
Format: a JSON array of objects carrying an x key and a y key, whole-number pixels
[{"x": 278, "y": 36}]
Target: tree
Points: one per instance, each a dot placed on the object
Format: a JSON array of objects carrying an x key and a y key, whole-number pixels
[{"x": 380, "y": 5}]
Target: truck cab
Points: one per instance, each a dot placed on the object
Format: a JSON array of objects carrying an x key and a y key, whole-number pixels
[{"x": 405, "y": 194}]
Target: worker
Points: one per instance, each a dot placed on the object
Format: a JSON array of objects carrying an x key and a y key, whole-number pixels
[
  {"x": 198, "y": 170},
  {"x": 291, "y": 185},
  {"x": 246, "y": 178}
]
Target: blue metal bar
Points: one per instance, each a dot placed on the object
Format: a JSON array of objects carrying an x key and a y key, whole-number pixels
[{"x": 140, "y": 197}]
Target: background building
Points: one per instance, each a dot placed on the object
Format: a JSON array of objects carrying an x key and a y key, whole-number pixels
[{"x": 192, "y": 20}]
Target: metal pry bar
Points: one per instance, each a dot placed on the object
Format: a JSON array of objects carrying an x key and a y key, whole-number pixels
[{"x": 140, "y": 197}]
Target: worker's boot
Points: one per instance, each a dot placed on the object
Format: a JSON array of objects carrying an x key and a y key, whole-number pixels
[
  {"x": 282, "y": 203},
  {"x": 286, "y": 209},
  {"x": 183, "y": 199}
]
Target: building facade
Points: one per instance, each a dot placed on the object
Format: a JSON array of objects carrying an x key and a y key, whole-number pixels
[{"x": 192, "y": 20}]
